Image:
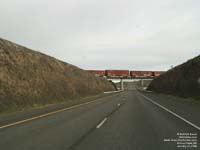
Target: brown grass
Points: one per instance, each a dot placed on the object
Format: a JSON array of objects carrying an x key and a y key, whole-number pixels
[
  {"x": 181, "y": 80},
  {"x": 28, "y": 77}
]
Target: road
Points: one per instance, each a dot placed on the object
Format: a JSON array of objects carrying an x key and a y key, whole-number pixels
[{"x": 123, "y": 121}]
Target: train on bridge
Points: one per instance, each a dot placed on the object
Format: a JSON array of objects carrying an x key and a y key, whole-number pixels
[{"x": 124, "y": 73}]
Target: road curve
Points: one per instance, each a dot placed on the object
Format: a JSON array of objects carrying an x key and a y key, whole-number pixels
[{"x": 125, "y": 121}]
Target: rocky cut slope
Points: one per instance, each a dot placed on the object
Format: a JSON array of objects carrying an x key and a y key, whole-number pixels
[
  {"x": 183, "y": 80},
  {"x": 29, "y": 78}
]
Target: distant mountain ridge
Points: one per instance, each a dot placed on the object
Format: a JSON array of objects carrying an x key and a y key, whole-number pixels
[
  {"x": 183, "y": 80},
  {"x": 28, "y": 77}
]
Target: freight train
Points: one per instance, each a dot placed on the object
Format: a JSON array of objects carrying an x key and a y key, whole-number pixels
[{"x": 125, "y": 73}]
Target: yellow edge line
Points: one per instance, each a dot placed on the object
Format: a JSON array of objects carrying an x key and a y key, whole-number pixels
[{"x": 45, "y": 115}]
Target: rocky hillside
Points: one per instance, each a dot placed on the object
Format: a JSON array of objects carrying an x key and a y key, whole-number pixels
[
  {"x": 28, "y": 78},
  {"x": 183, "y": 80}
]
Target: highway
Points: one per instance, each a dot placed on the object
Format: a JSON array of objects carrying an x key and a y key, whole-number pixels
[{"x": 122, "y": 121}]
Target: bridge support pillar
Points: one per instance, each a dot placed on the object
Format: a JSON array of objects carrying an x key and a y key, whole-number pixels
[
  {"x": 142, "y": 82},
  {"x": 121, "y": 85}
]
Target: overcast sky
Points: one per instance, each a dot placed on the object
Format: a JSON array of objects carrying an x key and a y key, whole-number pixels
[{"x": 106, "y": 34}]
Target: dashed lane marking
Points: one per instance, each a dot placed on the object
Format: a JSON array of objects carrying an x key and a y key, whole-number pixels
[{"x": 101, "y": 123}]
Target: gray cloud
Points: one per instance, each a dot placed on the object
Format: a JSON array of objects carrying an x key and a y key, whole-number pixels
[{"x": 102, "y": 34}]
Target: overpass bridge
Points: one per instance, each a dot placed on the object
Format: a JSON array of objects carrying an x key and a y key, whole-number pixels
[
  {"x": 121, "y": 77},
  {"x": 123, "y": 84}
]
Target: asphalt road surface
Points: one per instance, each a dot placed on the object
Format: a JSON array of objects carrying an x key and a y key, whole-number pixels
[{"x": 123, "y": 121}]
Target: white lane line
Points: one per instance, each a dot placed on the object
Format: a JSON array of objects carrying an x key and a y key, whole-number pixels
[
  {"x": 171, "y": 112},
  {"x": 101, "y": 123}
]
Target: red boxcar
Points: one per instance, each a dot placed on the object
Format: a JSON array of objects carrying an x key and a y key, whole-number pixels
[
  {"x": 157, "y": 73},
  {"x": 147, "y": 73},
  {"x": 97, "y": 72},
  {"x": 141, "y": 73},
  {"x": 117, "y": 73}
]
